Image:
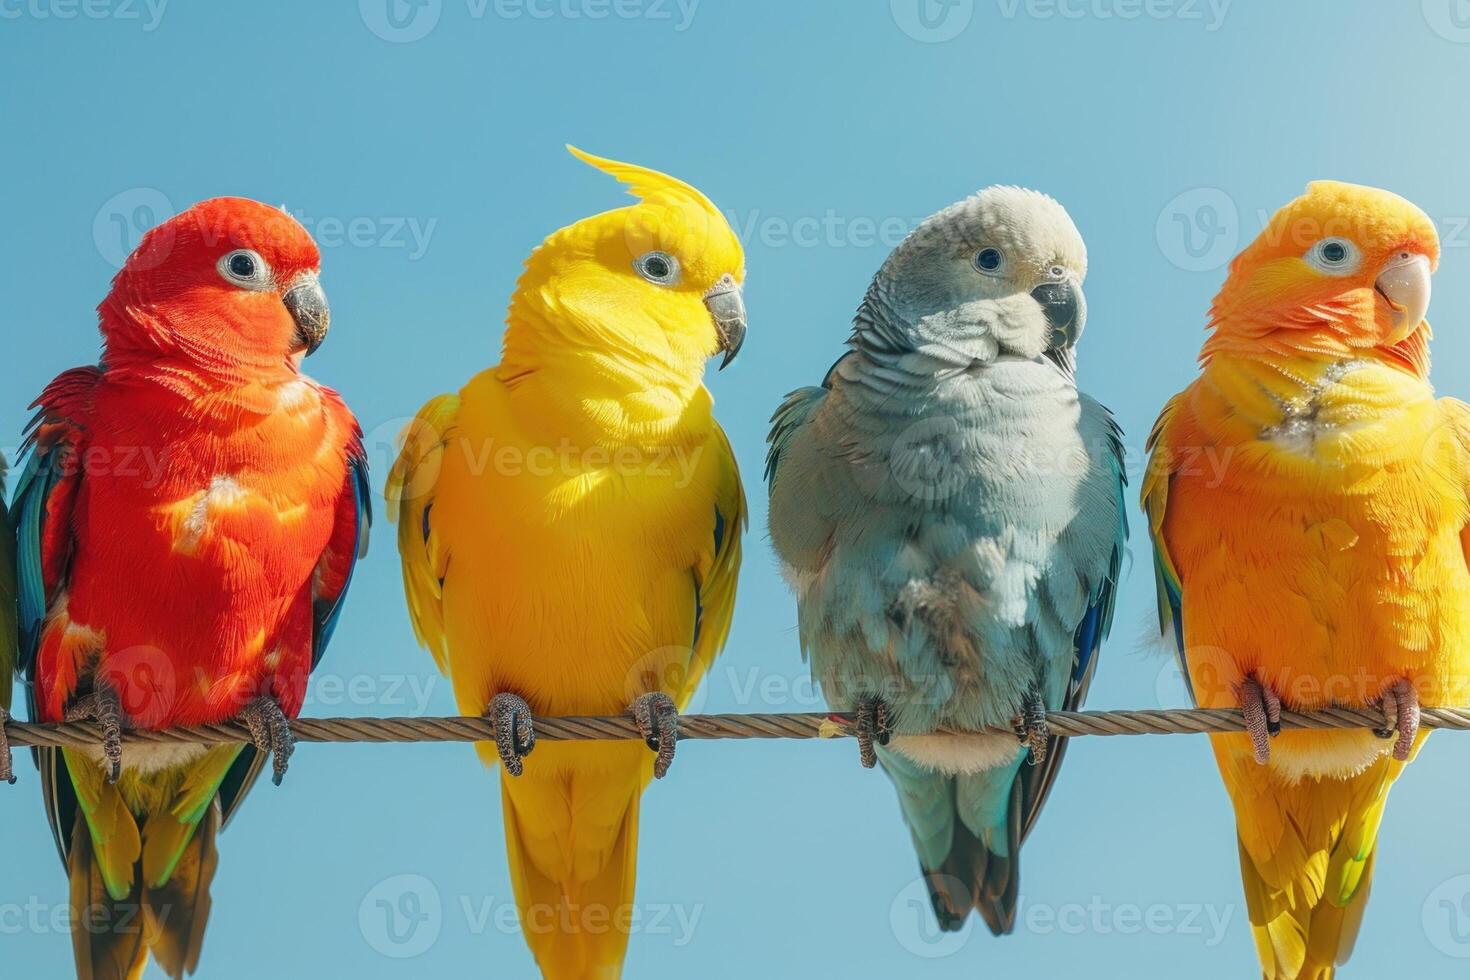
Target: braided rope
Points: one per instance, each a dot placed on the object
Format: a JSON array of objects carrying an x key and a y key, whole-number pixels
[{"x": 1177, "y": 721}]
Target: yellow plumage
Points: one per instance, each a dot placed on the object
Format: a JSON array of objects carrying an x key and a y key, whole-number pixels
[
  {"x": 1308, "y": 498},
  {"x": 570, "y": 534}
]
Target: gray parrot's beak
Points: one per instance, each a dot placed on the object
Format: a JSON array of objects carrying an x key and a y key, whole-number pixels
[
  {"x": 726, "y": 306},
  {"x": 307, "y": 304},
  {"x": 1065, "y": 308}
]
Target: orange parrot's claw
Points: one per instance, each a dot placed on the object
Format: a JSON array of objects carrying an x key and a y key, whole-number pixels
[
  {"x": 1262, "y": 710},
  {"x": 270, "y": 730},
  {"x": 104, "y": 708},
  {"x": 1400, "y": 705},
  {"x": 515, "y": 730},
  {"x": 874, "y": 725},
  {"x": 1032, "y": 729},
  {"x": 7, "y": 763},
  {"x": 658, "y": 721}
]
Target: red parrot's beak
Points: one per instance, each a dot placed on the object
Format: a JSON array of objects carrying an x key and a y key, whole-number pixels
[{"x": 307, "y": 304}]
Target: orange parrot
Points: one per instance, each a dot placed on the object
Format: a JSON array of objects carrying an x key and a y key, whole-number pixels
[{"x": 1307, "y": 498}]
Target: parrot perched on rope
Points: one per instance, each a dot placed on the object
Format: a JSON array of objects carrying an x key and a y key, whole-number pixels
[
  {"x": 949, "y": 510},
  {"x": 188, "y": 523},
  {"x": 1309, "y": 503},
  {"x": 570, "y": 528}
]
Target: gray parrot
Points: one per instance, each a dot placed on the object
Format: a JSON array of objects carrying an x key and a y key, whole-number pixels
[{"x": 948, "y": 508}]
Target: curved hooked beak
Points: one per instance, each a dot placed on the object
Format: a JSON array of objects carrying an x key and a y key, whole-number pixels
[
  {"x": 726, "y": 305},
  {"x": 1065, "y": 307},
  {"x": 1404, "y": 285},
  {"x": 307, "y": 304}
]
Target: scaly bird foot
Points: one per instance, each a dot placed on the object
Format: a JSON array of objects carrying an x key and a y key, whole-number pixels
[
  {"x": 658, "y": 721},
  {"x": 515, "y": 730},
  {"x": 7, "y": 764},
  {"x": 270, "y": 730},
  {"x": 874, "y": 725},
  {"x": 1262, "y": 709},
  {"x": 1032, "y": 729},
  {"x": 104, "y": 708},
  {"x": 1401, "y": 709}
]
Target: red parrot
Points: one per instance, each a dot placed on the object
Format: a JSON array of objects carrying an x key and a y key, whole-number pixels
[{"x": 188, "y": 523}]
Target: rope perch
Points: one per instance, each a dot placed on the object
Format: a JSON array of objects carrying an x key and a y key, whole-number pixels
[{"x": 379, "y": 731}]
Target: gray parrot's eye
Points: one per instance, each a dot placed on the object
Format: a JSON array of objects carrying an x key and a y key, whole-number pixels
[
  {"x": 659, "y": 268},
  {"x": 246, "y": 269},
  {"x": 990, "y": 261}
]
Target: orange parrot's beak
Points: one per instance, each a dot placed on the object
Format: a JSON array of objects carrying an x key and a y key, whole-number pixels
[{"x": 1404, "y": 285}]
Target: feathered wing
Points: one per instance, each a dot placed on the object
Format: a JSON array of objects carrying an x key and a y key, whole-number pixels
[
  {"x": 9, "y": 608},
  {"x": 1168, "y": 587},
  {"x": 412, "y": 488},
  {"x": 715, "y": 579}
]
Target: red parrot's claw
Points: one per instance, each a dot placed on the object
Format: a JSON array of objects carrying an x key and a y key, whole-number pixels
[
  {"x": 270, "y": 731},
  {"x": 1032, "y": 729},
  {"x": 104, "y": 708},
  {"x": 873, "y": 725},
  {"x": 1401, "y": 709},
  {"x": 515, "y": 730},
  {"x": 7, "y": 763},
  {"x": 658, "y": 722},
  {"x": 1262, "y": 709}
]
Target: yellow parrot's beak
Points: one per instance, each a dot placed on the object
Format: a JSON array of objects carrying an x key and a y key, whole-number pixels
[
  {"x": 1404, "y": 285},
  {"x": 726, "y": 306}
]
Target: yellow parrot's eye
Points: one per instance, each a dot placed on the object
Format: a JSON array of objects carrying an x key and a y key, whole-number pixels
[
  {"x": 659, "y": 268},
  {"x": 1334, "y": 256}
]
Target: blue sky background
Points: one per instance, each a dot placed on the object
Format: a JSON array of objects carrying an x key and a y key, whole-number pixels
[{"x": 422, "y": 143}]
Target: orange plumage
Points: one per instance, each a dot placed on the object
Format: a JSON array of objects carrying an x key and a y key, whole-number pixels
[{"x": 1308, "y": 501}]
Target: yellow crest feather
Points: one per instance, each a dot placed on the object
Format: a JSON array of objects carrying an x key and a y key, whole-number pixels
[{"x": 649, "y": 186}]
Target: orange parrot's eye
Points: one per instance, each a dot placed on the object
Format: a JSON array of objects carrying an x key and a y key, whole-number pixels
[{"x": 1334, "y": 256}]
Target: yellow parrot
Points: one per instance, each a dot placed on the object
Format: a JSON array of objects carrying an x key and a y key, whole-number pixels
[
  {"x": 570, "y": 528},
  {"x": 1307, "y": 497}
]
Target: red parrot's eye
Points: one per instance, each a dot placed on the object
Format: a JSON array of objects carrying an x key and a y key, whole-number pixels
[{"x": 246, "y": 269}]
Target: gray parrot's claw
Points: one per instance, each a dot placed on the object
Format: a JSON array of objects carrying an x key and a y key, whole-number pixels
[
  {"x": 1032, "y": 729},
  {"x": 1401, "y": 709},
  {"x": 658, "y": 722},
  {"x": 515, "y": 730},
  {"x": 7, "y": 761},
  {"x": 1262, "y": 710},
  {"x": 270, "y": 731},
  {"x": 874, "y": 726},
  {"x": 104, "y": 708}
]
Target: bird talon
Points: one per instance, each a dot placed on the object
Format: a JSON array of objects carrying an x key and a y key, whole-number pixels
[
  {"x": 103, "y": 708},
  {"x": 1262, "y": 710},
  {"x": 270, "y": 732},
  {"x": 658, "y": 721},
  {"x": 515, "y": 730},
  {"x": 874, "y": 726},
  {"x": 1401, "y": 709},
  {"x": 1032, "y": 728},
  {"x": 7, "y": 762}
]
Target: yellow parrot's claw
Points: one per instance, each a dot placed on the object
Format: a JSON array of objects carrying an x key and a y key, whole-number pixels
[
  {"x": 658, "y": 721},
  {"x": 873, "y": 725},
  {"x": 1400, "y": 704},
  {"x": 270, "y": 730},
  {"x": 7, "y": 762},
  {"x": 515, "y": 730},
  {"x": 104, "y": 708},
  {"x": 1262, "y": 709}
]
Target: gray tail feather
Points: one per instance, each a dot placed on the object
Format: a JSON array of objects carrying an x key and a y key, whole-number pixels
[{"x": 975, "y": 877}]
